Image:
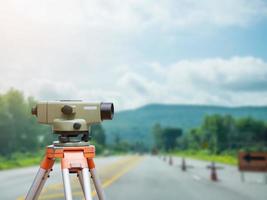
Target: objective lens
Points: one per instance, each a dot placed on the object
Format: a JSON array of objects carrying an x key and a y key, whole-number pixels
[{"x": 107, "y": 111}]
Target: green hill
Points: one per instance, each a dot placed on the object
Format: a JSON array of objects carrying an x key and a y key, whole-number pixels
[{"x": 135, "y": 125}]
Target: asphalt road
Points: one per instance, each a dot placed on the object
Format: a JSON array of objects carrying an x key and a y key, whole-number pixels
[
  {"x": 146, "y": 177},
  {"x": 155, "y": 179}
]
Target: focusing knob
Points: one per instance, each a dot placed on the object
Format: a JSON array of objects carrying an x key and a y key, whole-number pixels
[
  {"x": 67, "y": 110},
  {"x": 77, "y": 125}
]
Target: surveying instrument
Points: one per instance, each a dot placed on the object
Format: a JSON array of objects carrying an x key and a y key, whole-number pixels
[{"x": 71, "y": 120}]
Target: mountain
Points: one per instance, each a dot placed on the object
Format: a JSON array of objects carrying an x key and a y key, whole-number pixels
[{"x": 135, "y": 125}]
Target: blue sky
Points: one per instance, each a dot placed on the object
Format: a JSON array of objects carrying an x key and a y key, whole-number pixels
[
  {"x": 224, "y": 42},
  {"x": 203, "y": 42},
  {"x": 136, "y": 52}
]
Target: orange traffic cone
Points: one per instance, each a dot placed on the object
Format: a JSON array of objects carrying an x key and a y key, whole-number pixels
[{"x": 213, "y": 172}]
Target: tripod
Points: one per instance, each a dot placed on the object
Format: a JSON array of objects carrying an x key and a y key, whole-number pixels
[{"x": 74, "y": 159}]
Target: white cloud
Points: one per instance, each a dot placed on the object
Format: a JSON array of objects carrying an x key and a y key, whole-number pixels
[
  {"x": 128, "y": 15},
  {"x": 86, "y": 49},
  {"x": 234, "y": 81}
]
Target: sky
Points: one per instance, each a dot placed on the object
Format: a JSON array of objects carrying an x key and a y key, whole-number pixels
[{"x": 136, "y": 52}]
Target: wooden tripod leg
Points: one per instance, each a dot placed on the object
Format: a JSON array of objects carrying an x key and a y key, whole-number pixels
[
  {"x": 40, "y": 179},
  {"x": 96, "y": 180}
]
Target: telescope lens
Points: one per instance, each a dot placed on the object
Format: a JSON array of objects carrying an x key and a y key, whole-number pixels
[{"x": 107, "y": 110}]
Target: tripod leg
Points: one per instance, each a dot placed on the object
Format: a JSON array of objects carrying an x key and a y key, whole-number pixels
[
  {"x": 67, "y": 186},
  {"x": 40, "y": 179},
  {"x": 37, "y": 184},
  {"x": 97, "y": 183},
  {"x": 86, "y": 184},
  {"x": 96, "y": 180},
  {"x": 79, "y": 174}
]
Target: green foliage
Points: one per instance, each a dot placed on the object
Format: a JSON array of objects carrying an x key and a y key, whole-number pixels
[
  {"x": 128, "y": 132},
  {"x": 220, "y": 133},
  {"x": 169, "y": 137},
  {"x": 21, "y": 136},
  {"x": 157, "y": 133},
  {"x": 230, "y": 159},
  {"x": 165, "y": 138},
  {"x": 135, "y": 125},
  {"x": 117, "y": 139},
  {"x": 20, "y": 160},
  {"x": 122, "y": 146},
  {"x": 98, "y": 134},
  {"x": 19, "y": 130}
]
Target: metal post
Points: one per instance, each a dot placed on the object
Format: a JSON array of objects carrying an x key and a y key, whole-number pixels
[
  {"x": 37, "y": 184},
  {"x": 86, "y": 184},
  {"x": 242, "y": 175},
  {"x": 67, "y": 186},
  {"x": 97, "y": 183}
]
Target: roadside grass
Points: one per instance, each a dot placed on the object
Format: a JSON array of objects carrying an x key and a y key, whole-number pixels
[
  {"x": 230, "y": 159},
  {"x": 17, "y": 160}
]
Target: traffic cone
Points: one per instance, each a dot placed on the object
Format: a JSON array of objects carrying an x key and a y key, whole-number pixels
[
  {"x": 170, "y": 161},
  {"x": 213, "y": 174},
  {"x": 183, "y": 166}
]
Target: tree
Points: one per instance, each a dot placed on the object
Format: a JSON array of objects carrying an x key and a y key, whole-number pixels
[
  {"x": 194, "y": 139},
  {"x": 117, "y": 139},
  {"x": 216, "y": 130},
  {"x": 165, "y": 138},
  {"x": 98, "y": 134},
  {"x": 19, "y": 130},
  {"x": 157, "y": 133},
  {"x": 219, "y": 133},
  {"x": 251, "y": 132},
  {"x": 170, "y": 136}
]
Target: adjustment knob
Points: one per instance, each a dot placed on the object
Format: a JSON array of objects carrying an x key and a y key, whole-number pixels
[
  {"x": 77, "y": 125},
  {"x": 67, "y": 110}
]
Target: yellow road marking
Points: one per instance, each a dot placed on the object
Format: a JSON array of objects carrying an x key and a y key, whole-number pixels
[
  {"x": 131, "y": 163},
  {"x": 106, "y": 183},
  {"x": 106, "y": 169}
]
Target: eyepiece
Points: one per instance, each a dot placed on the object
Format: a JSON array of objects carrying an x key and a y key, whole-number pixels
[{"x": 107, "y": 111}]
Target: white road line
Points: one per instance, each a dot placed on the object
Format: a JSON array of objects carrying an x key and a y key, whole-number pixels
[{"x": 196, "y": 177}]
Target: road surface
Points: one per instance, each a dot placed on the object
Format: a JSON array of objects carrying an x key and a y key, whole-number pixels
[{"x": 146, "y": 177}]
